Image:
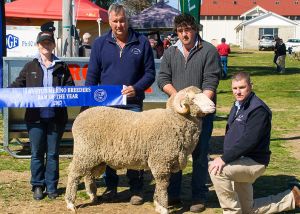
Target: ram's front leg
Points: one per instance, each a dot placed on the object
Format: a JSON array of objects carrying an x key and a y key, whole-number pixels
[{"x": 161, "y": 192}]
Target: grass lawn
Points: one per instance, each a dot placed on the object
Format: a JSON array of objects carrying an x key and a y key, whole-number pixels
[{"x": 280, "y": 91}]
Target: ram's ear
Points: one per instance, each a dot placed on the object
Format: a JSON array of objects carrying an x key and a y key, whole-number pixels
[
  {"x": 170, "y": 101},
  {"x": 180, "y": 103}
]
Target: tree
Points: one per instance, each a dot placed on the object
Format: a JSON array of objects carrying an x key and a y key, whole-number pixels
[
  {"x": 133, "y": 6},
  {"x": 104, "y": 3},
  {"x": 136, "y": 6}
]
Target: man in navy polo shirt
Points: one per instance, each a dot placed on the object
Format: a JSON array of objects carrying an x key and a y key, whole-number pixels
[{"x": 122, "y": 57}]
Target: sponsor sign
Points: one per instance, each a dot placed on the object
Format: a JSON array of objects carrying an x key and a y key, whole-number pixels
[{"x": 21, "y": 41}]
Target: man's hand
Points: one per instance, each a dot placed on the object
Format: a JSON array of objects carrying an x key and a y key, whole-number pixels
[
  {"x": 169, "y": 89},
  {"x": 129, "y": 91},
  {"x": 216, "y": 166}
]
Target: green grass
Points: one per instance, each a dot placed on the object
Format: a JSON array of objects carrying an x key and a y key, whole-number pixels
[{"x": 280, "y": 91}]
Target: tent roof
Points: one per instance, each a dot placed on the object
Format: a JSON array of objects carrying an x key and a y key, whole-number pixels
[
  {"x": 158, "y": 16},
  {"x": 52, "y": 9}
]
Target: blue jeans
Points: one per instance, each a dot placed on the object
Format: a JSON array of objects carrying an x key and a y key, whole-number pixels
[
  {"x": 135, "y": 176},
  {"x": 45, "y": 138},
  {"x": 200, "y": 166},
  {"x": 224, "y": 60}
]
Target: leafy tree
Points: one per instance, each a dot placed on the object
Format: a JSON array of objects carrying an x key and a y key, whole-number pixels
[
  {"x": 133, "y": 6},
  {"x": 104, "y": 3},
  {"x": 136, "y": 6}
]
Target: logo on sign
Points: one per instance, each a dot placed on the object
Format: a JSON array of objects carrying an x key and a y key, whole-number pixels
[
  {"x": 100, "y": 95},
  {"x": 11, "y": 41}
]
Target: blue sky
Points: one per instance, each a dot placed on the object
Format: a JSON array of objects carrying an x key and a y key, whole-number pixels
[{"x": 173, "y": 3}]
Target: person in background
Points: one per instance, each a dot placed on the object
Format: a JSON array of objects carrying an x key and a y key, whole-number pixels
[
  {"x": 159, "y": 48},
  {"x": 85, "y": 48},
  {"x": 191, "y": 62},
  {"x": 167, "y": 42},
  {"x": 224, "y": 51},
  {"x": 153, "y": 44},
  {"x": 45, "y": 125},
  {"x": 122, "y": 57},
  {"x": 246, "y": 156},
  {"x": 280, "y": 52}
]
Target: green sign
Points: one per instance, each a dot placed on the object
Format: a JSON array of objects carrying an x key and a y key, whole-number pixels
[{"x": 191, "y": 7}]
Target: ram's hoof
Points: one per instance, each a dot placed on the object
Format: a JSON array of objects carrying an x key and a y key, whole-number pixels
[
  {"x": 71, "y": 206},
  {"x": 160, "y": 209},
  {"x": 94, "y": 200}
]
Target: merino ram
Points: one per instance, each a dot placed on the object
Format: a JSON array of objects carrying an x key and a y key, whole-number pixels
[{"x": 157, "y": 139}]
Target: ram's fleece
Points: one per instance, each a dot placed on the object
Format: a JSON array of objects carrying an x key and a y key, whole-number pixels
[{"x": 157, "y": 139}]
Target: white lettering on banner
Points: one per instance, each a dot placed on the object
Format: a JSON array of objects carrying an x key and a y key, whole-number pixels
[
  {"x": 57, "y": 90},
  {"x": 57, "y": 93},
  {"x": 60, "y": 96},
  {"x": 72, "y": 96},
  {"x": 50, "y": 96},
  {"x": 57, "y": 102},
  {"x": 191, "y": 7},
  {"x": 84, "y": 90}
]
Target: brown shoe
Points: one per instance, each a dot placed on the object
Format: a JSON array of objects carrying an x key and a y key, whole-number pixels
[
  {"x": 137, "y": 199},
  {"x": 197, "y": 207},
  {"x": 296, "y": 193}
]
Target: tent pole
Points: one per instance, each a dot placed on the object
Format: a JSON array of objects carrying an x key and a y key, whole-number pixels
[
  {"x": 67, "y": 27},
  {"x": 99, "y": 21}
]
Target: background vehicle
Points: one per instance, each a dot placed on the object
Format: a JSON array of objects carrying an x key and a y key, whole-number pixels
[
  {"x": 291, "y": 44},
  {"x": 267, "y": 41}
]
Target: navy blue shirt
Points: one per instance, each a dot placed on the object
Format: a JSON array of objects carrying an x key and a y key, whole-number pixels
[
  {"x": 248, "y": 132},
  {"x": 133, "y": 65}
]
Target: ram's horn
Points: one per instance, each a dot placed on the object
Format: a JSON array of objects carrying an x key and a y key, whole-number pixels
[{"x": 180, "y": 103}]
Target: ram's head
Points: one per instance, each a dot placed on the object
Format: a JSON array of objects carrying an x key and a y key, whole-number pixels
[{"x": 191, "y": 101}]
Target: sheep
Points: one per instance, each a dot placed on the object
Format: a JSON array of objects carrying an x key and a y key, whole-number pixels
[
  {"x": 296, "y": 52},
  {"x": 156, "y": 139}
]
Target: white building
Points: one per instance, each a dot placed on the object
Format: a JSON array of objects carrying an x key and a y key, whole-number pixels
[{"x": 242, "y": 22}]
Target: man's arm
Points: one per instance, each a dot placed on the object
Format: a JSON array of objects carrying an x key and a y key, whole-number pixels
[
  {"x": 169, "y": 89},
  {"x": 257, "y": 123},
  {"x": 94, "y": 73},
  {"x": 149, "y": 70},
  {"x": 164, "y": 77},
  {"x": 211, "y": 71}
]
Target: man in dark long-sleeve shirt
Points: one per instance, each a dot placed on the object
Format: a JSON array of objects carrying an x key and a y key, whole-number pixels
[{"x": 246, "y": 156}]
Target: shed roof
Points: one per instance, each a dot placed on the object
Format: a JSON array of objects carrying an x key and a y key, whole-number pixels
[{"x": 238, "y": 7}]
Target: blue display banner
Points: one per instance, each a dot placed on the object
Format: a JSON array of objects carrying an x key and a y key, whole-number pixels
[{"x": 104, "y": 95}]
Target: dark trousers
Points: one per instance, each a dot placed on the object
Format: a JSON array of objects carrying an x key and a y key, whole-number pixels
[
  {"x": 45, "y": 138},
  {"x": 200, "y": 166}
]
